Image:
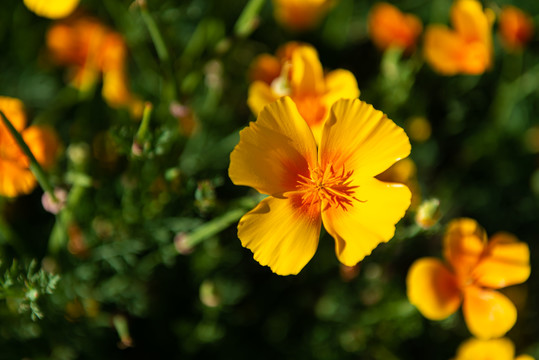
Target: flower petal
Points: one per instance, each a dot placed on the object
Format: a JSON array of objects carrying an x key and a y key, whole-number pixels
[
  {"x": 340, "y": 84},
  {"x": 307, "y": 74},
  {"x": 274, "y": 150},
  {"x": 52, "y": 9},
  {"x": 470, "y": 21},
  {"x": 43, "y": 143},
  {"x": 362, "y": 139},
  {"x": 442, "y": 49},
  {"x": 507, "y": 262},
  {"x": 433, "y": 289},
  {"x": 476, "y": 349},
  {"x": 464, "y": 242},
  {"x": 260, "y": 95},
  {"x": 488, "y": 313},
  {"x": 15, "y": 179},
  {"x": 14, "y": 110},
  {"x": 368, "y": 221},
  {"x": 281, "y": 234}
]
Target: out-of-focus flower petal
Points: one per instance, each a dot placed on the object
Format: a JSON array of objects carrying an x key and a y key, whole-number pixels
[
  {"x": 281, "y": 234},
  {"x": 515, "y": 28},
  {"x": 43, "y": 143},
  {"x": 464, "y": 242},
  {"x": 52, "y": 9},
  {"x": 15, "y": 180},
  {"x": 476, "y": 349},
  {"x": 433, "y": 289},
  {"x": 260, "y": 95},
  {"x": 14, "y": 110},
  {"x": 265, "y": 68},
  {"x": 273, "y": 150},
  {"x": 301, "y": 15},
  {"x": 506, "y": 262},
  {"x": 488, "y": 313}
]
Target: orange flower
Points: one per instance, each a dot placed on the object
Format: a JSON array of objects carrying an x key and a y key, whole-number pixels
[
  {"x": 476, "y": 268},
  {"x": 302, "y": 78},
  {"x": 332, "y": 184},
  {"x": 497, "y": 349},
  {"x": 388, "y": 27},
  {"x": 468, "y": 48},
  {"x": 91, "y": 49},
  {"x": 15, "y": 175},
  {"x": 301, "y": 15},
  {"x": 515, "y": 28},
  {"x": 52, "y": 9}
]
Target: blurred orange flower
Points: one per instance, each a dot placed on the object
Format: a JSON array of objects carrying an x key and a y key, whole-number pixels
[
  {"x": 497, "y": 349},
  {"x": 15, "y": 175},
  {"x": 92, "y": 49},
  {"x": 468, "y": 48},
  {"x": 332, "y": 184},
  {"x": 389, "y": 27},
  {"x": 475, "y": 268},
  {"x": 52, "y": 9},
  {"x": 299, "y": 15},
  {"x": 301, "y": 77},
  {"x": 515, "y": 28}
]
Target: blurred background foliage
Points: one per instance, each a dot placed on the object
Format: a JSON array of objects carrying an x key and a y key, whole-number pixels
[{"x": 144, "y": 262}]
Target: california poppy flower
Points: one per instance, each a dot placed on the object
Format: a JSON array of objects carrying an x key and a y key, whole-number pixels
[
  {"x": 476, "y": 267},
  {"x": 52, "y": 9},
  {"x": 495, "y": 349},
  {"x": 515, "y": 28},
  {"x": 389, "y": 27},
  {"x": 301, "y": 77},
  {"x": 91, "y": 49},
  {"x": 467, "y": 49},
  {"x": 333, "y": 184},
  {"x": 15, "y": 175},
  {"x": 300, "y": 15}
]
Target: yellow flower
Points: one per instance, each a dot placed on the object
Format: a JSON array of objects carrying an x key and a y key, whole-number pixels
[
  {"x": 52, "y": 9},
  {"x": 333, "y": 184},
  {"x": 299, "y": 15},
  {"x": 468, "y": 48},
  {"x": 15, "y": 176},
  {"x": 404, "y": 172},
  {"x": 388, "y": 27},
  {"x": 92, "y": 49},
  {"x": 302, "y": 78},
  {"x": 515, "y": 28},
  {"x": 497, "y": 349},
  {"x": 476, "y": 268}
]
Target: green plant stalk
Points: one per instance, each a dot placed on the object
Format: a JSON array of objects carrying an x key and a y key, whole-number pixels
[
  {"x": 34, "y": 166},
  {"x": 248, "y": 18},
  {"x": 155, "y": 34},
  {"x": 143, "y": 128},
  {"x": 213, "y": 227}
]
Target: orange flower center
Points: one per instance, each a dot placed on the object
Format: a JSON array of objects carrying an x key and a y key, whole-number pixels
[{"x": 331, "y": 187}]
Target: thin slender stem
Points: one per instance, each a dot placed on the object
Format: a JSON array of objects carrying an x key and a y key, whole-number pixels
[
  {"x": 248, "y": 20},
  {"x": 143, "y": 128},
  {"x": 34, "y": 166},
  {"x": 155, "y": 34}
]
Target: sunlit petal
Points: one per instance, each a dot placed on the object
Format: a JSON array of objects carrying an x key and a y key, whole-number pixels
[
  {"x": 363, "y": 138},
  {"x": 488, "y": 313},
  {"x": 477, "y": 349},
  {"x": 307, "y": 74},
  {"x": 281, "y": 234},
  {"x": 464, "y": 242},
  {"x": 52, "y": 9},
  {"x": 433, "y": 289},
  {"x": 260, "y": 95},
  {"x": 273, "y": 150},
  {"x": 43, "y": 143},
  {"x": 507, "y": 262},
  {"x": 443, "y": 49},
  {"x": 368, "y": 221},
  {"x": 15, "y": 179}
]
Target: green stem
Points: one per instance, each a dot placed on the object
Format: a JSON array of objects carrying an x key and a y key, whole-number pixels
[
  {"x": 34, "y": 166},
  {"x": 213, "y": 227},
  {"x": 155, "y": 34},
  {"x": 143, "y": 128},
  {"x": 248, "y": 19}
]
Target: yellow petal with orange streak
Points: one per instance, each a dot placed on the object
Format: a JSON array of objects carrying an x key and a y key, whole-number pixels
[
  {"x": 260, "y": 95},
  {"x": 433, "y": 289},
  {"x": 488, "y": 313},
  {"x": 361, "y": 139},
  {"x": 507, "y": 262},
  {"x": 368, "y": 221},
  {"x": 281, "y": 234},
  {"x": 52, "y": 9},
  {"x": 274, "y": 150},
  {"x": 477, "y": 349},
  {"x": 464, "y": 242}
]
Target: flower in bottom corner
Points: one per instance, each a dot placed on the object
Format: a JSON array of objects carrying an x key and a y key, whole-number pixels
[
  {"x": 476, "y": 268},
  {"x": 496, "y": 349},
  {"x": 15, "y": 175},
  {"x": 333, "y": 184}
]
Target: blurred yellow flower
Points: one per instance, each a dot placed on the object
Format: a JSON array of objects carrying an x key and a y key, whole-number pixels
[
  {"x": 468, "y": 48},
  {"x": 92, "y": 49},
  {"x": 52, "y": 9},
  {"x": 497, "y": 349},
  {"x": 389, "y": 27},
  {"x": 515, "y": 28},
  {"x": 476, "y": 268},
  {"x": 333, "y": 184},
  {"x": 15, "y": 175},
  {"x": 299, "y": 15},
  {"x": 301, "y": 77}
]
